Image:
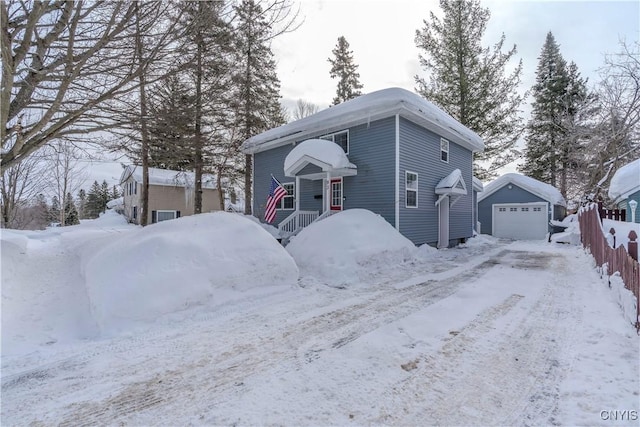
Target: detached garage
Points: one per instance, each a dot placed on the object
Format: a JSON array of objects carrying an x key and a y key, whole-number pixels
[{"x": 515, "y": 206}]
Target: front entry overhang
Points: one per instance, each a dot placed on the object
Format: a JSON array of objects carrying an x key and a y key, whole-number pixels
[
  {"x": 451, "y": 186},
  {"x": 327, "y": 159}
]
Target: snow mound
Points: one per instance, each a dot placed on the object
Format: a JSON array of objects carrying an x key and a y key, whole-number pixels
[
  {"x": 169, "y": 266},
  {"x": 344, "y": 248}
]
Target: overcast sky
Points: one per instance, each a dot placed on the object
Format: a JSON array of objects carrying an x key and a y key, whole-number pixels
[{"x": 381, "y": 35}]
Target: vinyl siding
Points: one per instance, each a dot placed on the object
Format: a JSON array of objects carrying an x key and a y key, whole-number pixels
[
  {"x": 269, "y": 163},
  {"x": 514, "y": 195},
  {"x": 420, "y": 153},
  {"x": 371, "y": 149},
  {"x": 625, "y": 205}
]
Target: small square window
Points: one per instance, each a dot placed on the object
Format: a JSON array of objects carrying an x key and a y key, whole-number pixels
[
  {"x": 513, "y": 209},
  {"x": 525, "y": 209},
  {"x": 502, "y": 209}
]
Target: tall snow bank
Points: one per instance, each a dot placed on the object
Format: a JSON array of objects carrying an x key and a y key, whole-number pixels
[
  {"x": 342, "y": 249},
  {"x": 169, "y": 266}
]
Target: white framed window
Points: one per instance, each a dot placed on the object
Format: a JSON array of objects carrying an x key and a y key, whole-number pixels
[
  {"x": 341, "y": 138},
  {"x": 165, "y": 215},
  {"x": 411, "y": 187},
  {"x": 513, "y": 209},
  {"x": 537, "y": 209},
  {"x": 444, "y": 150},
  {"x": 525, "y": 209},
  {"x": 502, "y": 209},
  {"x": 287, "y": 202}
]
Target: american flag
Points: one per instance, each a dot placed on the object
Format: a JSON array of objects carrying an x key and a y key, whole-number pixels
[{"x": 276, "y": 193}]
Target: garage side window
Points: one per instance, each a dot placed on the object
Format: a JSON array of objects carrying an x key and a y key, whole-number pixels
[{"x": 411, "y": 189}]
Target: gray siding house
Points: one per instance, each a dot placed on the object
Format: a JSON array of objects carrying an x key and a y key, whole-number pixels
[
  {"x": 397, "y": 155},
  {"x": 624, "y": 190},
  {"x": 515, "y": 206}
]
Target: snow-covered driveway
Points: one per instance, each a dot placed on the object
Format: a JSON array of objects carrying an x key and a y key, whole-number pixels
[{"x": 521, "y": 334}]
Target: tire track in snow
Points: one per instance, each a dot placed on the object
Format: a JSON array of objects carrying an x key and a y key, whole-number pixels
[
  {"x": 296, "y": 342},
  {"x": 481, "y": 377}
]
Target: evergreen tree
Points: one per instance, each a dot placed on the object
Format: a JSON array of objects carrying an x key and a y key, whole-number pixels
[
  {"x": 258, "y": 87},
  {"x": 470, "y": 81},
  {"x": 115, "y": 193},
  {"x": 344, "y": 69},
  {"x": 82, "y": 200},
  {"x": 171, "y": 125},
  {"x": 42, "y": 211},
  {"x": 556, "y": 129},
  {"x": 95, "y": 201},
  {"x": 54, "y": 210},
  {"x": 70, "y": 211}
]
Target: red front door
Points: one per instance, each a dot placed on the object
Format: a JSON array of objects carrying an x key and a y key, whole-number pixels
[{"x": 336, "y": 194}]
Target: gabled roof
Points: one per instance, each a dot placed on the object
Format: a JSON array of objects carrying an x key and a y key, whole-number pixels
[
  {"x": 540, "y": 189},
  {"x": 625, "y": 181},
  {"x": 327, "y": 155},
  {"x": 452, "y": 184},
  {"x": 167, "y": 177},
  {"x": 364, "y": 109}
]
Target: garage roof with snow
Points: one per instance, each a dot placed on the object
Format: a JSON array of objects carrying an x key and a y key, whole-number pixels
[
  {"x": 625, "y": 181},
  {"x": 364, "y": 109},
  {"x": 168, "y": 177},
  {"x": 541, "y": 189}
]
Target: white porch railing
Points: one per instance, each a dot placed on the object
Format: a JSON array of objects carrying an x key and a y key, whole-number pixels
[
  {"x": 297, "y": 221},
  {"x": 326, "y": 214}
]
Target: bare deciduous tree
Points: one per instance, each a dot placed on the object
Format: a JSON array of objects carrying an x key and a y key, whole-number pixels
[
  {"x": 19, "y": 184},
  {"x": 60, "y": 60},
  {"x": 64, "y": 172},
  {"x": 304, "y": 109}
]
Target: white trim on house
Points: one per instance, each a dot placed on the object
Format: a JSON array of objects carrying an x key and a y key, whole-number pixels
[
  {"x": 397, "y": 168},
  {"x": 407, "y": 189},
  {"x": 365, "y": 109}
]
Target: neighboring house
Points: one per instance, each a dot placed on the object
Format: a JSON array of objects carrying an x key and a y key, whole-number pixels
[
  {"x": 391, "y": 152},
  {"x": 515, "y": 206},
  {"x": 625, "y": 187},
  {"x": 170, "y": 194}
]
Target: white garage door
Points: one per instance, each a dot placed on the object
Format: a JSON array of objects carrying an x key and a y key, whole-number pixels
[{"x": 525, "y": 221}]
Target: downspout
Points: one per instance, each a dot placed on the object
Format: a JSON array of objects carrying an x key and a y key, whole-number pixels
[{"x": 397, "y": 173}]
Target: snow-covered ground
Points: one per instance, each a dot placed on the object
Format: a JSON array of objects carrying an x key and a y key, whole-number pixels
[{"x": 204, "y": 320}]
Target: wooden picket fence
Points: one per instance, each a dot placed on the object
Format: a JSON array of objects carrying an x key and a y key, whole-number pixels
[{"x": 618, "y": 259}]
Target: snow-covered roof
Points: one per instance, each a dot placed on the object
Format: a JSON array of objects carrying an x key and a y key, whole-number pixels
[
  {"x": 541, "y": 189},
  {"x": 364, "y": 109},
  {"x": 325, "y": 154},
  {"x": 167, "y": 177},
  {"x": 452, "y": 184},
  {"x": 625, "y": 181},
  {"x": 115, "y": 203},
  {"x": 477, "y": 184}
]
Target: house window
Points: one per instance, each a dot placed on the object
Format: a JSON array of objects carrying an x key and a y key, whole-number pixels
[
  {"x": 165, "y": 215},
  {"x": 444, "y": 150},
  {"x": 411, "y": 189},
  {"x": 502, "y": 209},
  {"x": 287, "y": 202},
  {"x": 525, "y": 209},
  {"x": 537, "y": 209},
  {"x": 513, "y": 209},
  {"x": 341, "y": 138}
]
